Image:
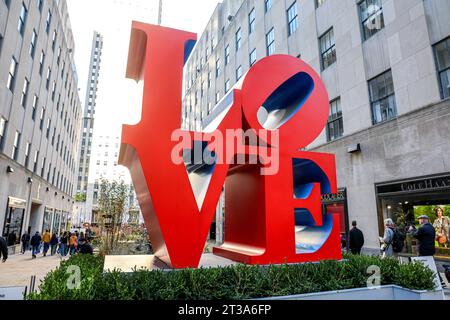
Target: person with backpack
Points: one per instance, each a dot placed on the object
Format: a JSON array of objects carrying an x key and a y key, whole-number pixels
[
  {"x": 426, "y": 236},
  {"x": 387, "y": 240}
]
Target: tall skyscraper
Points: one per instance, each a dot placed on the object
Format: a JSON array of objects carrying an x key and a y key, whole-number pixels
[
  {"x": 89, "y": 114},
  {"x": 40, "y": 118}
]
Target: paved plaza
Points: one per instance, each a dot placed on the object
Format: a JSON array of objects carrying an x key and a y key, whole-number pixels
[{"x": 18, "y": 269}]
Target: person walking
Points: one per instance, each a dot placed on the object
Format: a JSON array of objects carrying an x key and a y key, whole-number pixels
[
  {"x": 356, "y": 239},
  {"x": 46, "y": 238},
  {"x": 63, "y": 244},
  {"x": 25, "y": 242},
  {"x": 441, "y": 226},
  {"x": 54, "y": 244},
  {"x": 36, "y": 244},
  {"x": 426, "y": 236},
  {"x": 3, "y": 249},
  {"x": 73, "y": 244},
  {"x": 388, "y": 239},
  {"x": 85, "y": 247}
]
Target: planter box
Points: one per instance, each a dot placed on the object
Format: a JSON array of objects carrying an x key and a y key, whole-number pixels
[{"x": 391, "y": 292}]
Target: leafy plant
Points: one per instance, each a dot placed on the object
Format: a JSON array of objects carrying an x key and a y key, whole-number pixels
[{"x": 234, "y": 282}]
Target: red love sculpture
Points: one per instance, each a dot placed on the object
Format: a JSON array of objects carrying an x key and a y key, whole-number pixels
[{"x": 273, "y": 205}]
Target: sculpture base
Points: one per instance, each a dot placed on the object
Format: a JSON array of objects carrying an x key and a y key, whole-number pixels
[{"x": 128, "y": 264}]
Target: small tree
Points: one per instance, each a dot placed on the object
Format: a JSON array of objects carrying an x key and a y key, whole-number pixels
[{"x": 112, "y": 206}]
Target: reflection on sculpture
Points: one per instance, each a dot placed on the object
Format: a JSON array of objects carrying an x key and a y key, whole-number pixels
[{"x": 273, "y": 191}]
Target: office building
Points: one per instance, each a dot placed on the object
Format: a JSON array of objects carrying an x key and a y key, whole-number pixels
[
  {"x": 40, "y": 118},
  {"x": 386, "y": 67}
]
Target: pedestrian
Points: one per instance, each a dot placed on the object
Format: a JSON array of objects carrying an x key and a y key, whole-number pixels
[
  {"x": 36, "y": 244},
  {"x": 63, "y": 244},
  {"x": 54, "y": 244},
  {"x": 85, "y": 247},
  {"x": 426, "y": 236},
  {"x": 356, "y": 239},
  {"x": 46, "y": 240},
  {"x": 388, "y": 239},
  {"x": 441, "y": 226},
  {"x": 25, "y": 242},
  {"x": 3, "y": 249},
  {"x": 73, "y": 244}
]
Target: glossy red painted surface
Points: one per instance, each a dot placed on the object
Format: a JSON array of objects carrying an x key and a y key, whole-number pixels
[{"x": 259, "y": 209}]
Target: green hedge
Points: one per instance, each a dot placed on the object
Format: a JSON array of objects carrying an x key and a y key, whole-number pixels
[{"x": 236, "y": 282}]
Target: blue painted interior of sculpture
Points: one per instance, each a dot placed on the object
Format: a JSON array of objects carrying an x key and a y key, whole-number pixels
[
  {"x": 189, "y": 46},
  {"x": 200, "y": 163},
  {"x": 286, "y": 101},
  {"x": 309, "y": 238}
]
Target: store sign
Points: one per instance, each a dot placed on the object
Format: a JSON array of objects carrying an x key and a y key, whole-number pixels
[
  {"x": 273, "y": 191},
  {"x": 335, "y": 197},
  {"x": 428, "y": 184}
]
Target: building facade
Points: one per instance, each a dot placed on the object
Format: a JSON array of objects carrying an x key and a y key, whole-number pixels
[
  {"x": 104, "y": 166},
  {"x": 40, "y": 118},
  {"x": 386, "y": 66},
  {"x": 89, "y": 114}
]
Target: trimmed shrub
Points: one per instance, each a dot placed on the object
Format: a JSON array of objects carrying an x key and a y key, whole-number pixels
[{"x": 233, "y": 283}]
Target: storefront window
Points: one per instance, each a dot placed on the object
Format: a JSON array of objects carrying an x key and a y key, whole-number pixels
[
  {"x": 56, "y": 221},
  {"x": 47, "y": 219},
  {"x": 12, "y": 230}
]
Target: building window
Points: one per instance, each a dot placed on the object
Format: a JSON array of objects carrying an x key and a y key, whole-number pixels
[
  {"x": 217, "y": 96},
  {"x": 382, "y": 98},
  {"x": 41, "y": 123},
  {"x": 238, "y": 39},
  {"x": 12, "y": 75},
  {"x": 48, "y": 22},
  {"x": 35, "y": 103},
  {"x": 15, "y": 151},
  {"x": 252, "y": 21},
  {"x": 22, "y": 19},
  {"x": 41, "y": 63},
  {"x": 327, "y": 49},
  {"x": 27, "y": 154},
  {"x": 3, "y": 123},
  {"x": 33, "y": 44},
  {"x": 218, "y": 68},
  {"x": 227, "y": 86},
  {"x": 209, "y": 79},
  {"x": 49, "y": 74},
  {"x": 54, "y": 40},
  {"x": 335, "y": 126},
  {"x": 40, "y": 5},
  {"x": 227, "y": 55},
  {"x": 253, "y": 57},
  {"x": 371, "y": 15},
  {"x": 238, "y": 73},
  {"x": 35, "y": 161},
  {"x": 319, "y": 3},
  {"x": 292, "y": 18},
  {"x": 26, "y": 86},
  {"x": 442, "y": 52},
  {"x": 270, "y": 42},
  {"x": 268, "y": 5}
]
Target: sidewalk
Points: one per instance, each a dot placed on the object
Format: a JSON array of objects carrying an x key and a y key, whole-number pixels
[{"x": 18, "y": 269}]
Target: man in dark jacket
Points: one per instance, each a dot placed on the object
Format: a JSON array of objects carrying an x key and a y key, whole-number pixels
[
  {"x": 426, "y": 236},
  {"x": 3, "y": 249},
  {"x": 25, "y": 242},
  {"x": 85, "y": 247},
  {"x": 36, "y": 244},
  {"x": 356, "y": 239}
]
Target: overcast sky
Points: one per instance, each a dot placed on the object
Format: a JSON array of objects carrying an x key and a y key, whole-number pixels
[{"x": 119, "y": 99}]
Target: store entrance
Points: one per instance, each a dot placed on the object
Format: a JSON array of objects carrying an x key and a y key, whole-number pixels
[{"x": 404, "y": 202}]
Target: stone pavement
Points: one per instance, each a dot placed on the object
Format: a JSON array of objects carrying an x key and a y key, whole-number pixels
[{"x": 18, "y": 269}]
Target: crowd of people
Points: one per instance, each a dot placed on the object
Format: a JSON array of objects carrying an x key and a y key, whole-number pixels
[
  {"x": 393, "y": 240},
  {"x": 66, "y": 243}
]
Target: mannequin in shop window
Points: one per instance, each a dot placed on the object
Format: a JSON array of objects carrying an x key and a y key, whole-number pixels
[{"x": 441, "y": 225}]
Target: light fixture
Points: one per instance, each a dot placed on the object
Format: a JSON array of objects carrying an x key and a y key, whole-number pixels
[
  {"x": 354, "y": 148},
  {"x": 29, "y": 180},
  {"x": 56, "y": 193},
  {"x": 406, "y": 202},
  {"x": 47, "y": 189},
  {"x": 389, "y": 207},
  {"x": 9, "y": 169}
]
